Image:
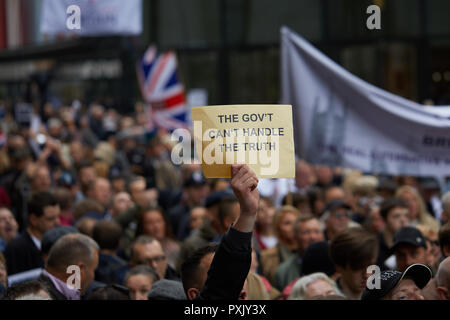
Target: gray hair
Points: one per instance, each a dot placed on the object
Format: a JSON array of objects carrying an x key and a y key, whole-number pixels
[
  {"x": 144, "y": 239},
  {"x": 446, "y": 201},
  {"x": 300, "y": 288},
  {"x": 71, "y": 249}
]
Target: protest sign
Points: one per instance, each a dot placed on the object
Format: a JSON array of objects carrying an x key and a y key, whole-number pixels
[{"x": 259, "y": 135}]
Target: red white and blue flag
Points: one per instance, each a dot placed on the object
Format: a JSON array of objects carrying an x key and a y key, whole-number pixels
[{"x": 162, "y": 90}]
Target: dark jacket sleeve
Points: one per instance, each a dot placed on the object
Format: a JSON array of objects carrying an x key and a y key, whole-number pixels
[{"x": 229, "y": 268}]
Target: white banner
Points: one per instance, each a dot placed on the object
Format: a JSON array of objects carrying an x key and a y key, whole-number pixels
[
  {"x": 92, "y": 17},
  {"x": 341, "y": 120}
]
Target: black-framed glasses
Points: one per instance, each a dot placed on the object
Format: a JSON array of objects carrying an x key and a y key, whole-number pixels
[{"x": 156, "y": 259}]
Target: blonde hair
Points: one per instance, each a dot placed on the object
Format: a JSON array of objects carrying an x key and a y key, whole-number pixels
[
  {"x": 279, "y": 214},
  {"x": 427, "y": 231},
  {"x": 424, "y": 217}
]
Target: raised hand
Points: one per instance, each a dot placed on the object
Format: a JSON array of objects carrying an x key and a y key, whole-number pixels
[{"x": 244, "y": 183}]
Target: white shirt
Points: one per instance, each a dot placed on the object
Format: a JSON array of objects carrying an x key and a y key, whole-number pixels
[{"x": 36, "y": 241}]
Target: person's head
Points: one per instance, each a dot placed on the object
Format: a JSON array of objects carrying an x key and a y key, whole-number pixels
[
  {"x": 334, "y": 193},
  {"x": 395, "y": 213},
  {"x": 212, "y": 206},
  {"x": 220, "y": 184},
  {"x": 297, "y": 200},
  {"x": 228, "y": 212},
  {"x": 139, "y": 280},
  {"x": 86, "y": 176},
  {"x": 153, "y": 222},
  {"x": 283, "y": 223},
  {"x": 313, "y": 285},
  {"x": 444, "y": 239},
  {"x": 166, "y": 290},
  {"x": 375, "y": 222},
  {"x": 26, "y": 289},
  {"x": 337, "y": 217},
  {"x": 109, "y": 292},
  {"x": 101, "y": 191},
  {"x": 194, "y": 270},
  {"x": 121, "y": 202},
  {"x": 43, "y": 213},
  {"x": 304, "y": 174},
  {"x": 107, "y": 234},
  {"x": 352, "y": 251},
  {"x": 317, "y": 259},
  {"x": 409, "y": 248},
  {"x": 414, "y": 201},
  {"x": 118, "y": 183},
  {"x": 307, "y": 230},
  {"x": 86, "y": 226},
  {"x": 8, "y": 224},
  {"x": 196, "y": 217},
  {"x": 443, "y": 279},
  {"x": 445, "y": 217},
  {"x": 64, "y": 198},
  {"x": 324, "y": 175},
  {"x": 74, "y": 249},
  {"x": 148, "y": 251},
  {"x": 316, "y": 199},
  {"x": 136, "y": 188},
  {"x": 433, "y": 250},
  {"x": 86, "y": 206},
  {"x": 396, "y": 285},
  {"x": 53, "y": 235},
  {"x": 77, "y": 151},
  {"x": 266, "y": 213},
  {"x": 196, "y": 189},
  {"x": 41, "y": 180}
]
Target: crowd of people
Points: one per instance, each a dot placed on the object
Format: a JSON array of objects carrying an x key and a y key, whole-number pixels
[{"x": 92, "y": 207}]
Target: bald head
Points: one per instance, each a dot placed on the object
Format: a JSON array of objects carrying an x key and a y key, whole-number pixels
[{"x": 443, "y": 279}]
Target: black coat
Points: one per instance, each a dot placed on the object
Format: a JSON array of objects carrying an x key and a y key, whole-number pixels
[
  {"x": 229, "y": 268},
  {"x": 21, "y": 254}
]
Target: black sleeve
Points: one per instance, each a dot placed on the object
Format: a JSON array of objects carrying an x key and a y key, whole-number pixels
[{"x": 229, "y": 268}]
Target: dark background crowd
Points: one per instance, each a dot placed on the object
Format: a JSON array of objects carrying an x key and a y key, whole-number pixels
[{"x": 82, "y": 178}]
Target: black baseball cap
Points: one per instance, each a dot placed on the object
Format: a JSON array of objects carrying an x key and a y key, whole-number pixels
[
  {"x": 409, "y": 235},
  {"x": 336, "y": 204},
  {"x": 389, "y": 279},
  {"x": 196, "y": 178},
  {"x": 217, "y": 196}
]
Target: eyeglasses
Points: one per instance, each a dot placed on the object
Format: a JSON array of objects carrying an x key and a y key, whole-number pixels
[{"x": 149, "y": 261}]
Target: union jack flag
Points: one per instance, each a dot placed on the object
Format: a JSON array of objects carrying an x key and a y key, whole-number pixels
[{"x": 162, "y": 90}]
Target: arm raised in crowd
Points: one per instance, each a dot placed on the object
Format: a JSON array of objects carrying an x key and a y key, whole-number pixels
[{"x": 232, "y": 261}]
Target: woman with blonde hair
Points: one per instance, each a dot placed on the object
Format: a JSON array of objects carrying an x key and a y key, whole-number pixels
[
  {"x": 417, "y": 211},
  {"x": 283, "y": 227}
]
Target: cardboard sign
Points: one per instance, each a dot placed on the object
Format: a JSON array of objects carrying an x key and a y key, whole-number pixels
[{"x": 259, "y": 135}]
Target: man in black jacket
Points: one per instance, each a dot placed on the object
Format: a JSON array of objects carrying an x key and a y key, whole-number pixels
[
  {"x": 218, "y": 273},
  {"x": 24, "y": 252}
]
